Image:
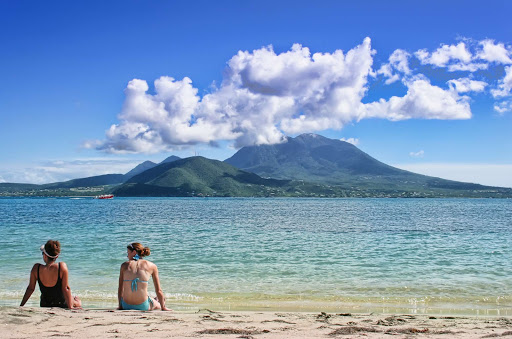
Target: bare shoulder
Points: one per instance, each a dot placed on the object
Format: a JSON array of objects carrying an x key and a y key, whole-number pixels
[
  {"x": 35, "y": 267},
  {"x": 125, "y": 265},
  {"x": 150, "y": 267},
  {"x": 63, "y": 266}
]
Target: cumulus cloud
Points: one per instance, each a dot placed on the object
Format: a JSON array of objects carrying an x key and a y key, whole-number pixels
[
  {"x": 353, "y": 141},
  {"x": 265, "y": 95},
  {"x": 398, "y": 61},
  {"x": 471, "y": 67},
  {"x": 418, "y": 154},
  {"x": 464, "y": 85},
  {"x": 504, "y": 85},
  {"x": 502, "y": 107},
  {"x": 471, "y": 56},
  {"x": 493, "y": 52},
  {"x": 444, "y": 54},
  {"x": 422, "y": 101},
  {"x": 150, "y": 123},
  {"x": 387, "y": 71},
  {"x": 467, "y": 56},
  {"x": 453, "y": 57}
]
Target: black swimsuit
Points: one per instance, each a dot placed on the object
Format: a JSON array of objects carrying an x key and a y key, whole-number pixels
[{"x": 52, "y": 296}]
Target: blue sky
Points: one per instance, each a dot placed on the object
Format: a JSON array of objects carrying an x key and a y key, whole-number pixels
[{"x": 422, "y": 86}]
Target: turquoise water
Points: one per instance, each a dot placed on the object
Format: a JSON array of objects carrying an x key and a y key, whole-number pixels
[{"x": 384, "y": 255}]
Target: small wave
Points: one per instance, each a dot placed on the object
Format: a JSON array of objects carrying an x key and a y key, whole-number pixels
[
  {"x": 183, "y": 297},
  {"x": 95, "y": 295},
  {"x": 15, "y": 294}
]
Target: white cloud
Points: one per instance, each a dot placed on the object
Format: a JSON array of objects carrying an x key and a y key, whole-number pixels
[
  {"x": 459, "y": 57},
  {"x": 466, "y": 56},
  {"x": 150, "y": 123},
  {"x": 444, "y": 54},
  {"x": 502, "y": 107},
  {"x": 398, "y": 61},
  {"x": 453, "y": 57},
  {"x": 265, "y": 95},
  {"x": 262, "y": 95},
  {"x": 422, "y": 101},
  {"x": 485, "y": 174},
  {"x": 471, "y": 67},
  {"x": 353, "y": 141},
  {"x": 293, "y": 91},
  {"x": 63, "y": 170},
  {"x": 418, "y": 154},
  {"x": 387, "y": 72},
  {"x": 464, "y": 85},
  {"x": 492, "y": 52},
  {"x": 504, "y": 85}
]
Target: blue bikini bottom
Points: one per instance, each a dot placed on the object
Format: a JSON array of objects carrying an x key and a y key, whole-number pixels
[{"x": 141, "y": 307}]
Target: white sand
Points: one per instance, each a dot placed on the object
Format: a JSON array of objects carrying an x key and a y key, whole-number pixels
[{"x": 38, "y": 323}]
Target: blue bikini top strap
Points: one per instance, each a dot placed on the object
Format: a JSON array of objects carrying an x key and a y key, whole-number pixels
[{"x": 134, "y": 283}]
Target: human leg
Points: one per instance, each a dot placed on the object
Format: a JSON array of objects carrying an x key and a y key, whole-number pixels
[
  {"x": 154, "y": 304},
  {"x": 77, "y": 303}
]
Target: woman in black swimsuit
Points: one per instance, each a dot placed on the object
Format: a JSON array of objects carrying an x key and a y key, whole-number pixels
[{"x": 53, "y": 280}]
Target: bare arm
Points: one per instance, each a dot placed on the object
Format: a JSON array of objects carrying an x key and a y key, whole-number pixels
[
  {"x": 31, "y": 285},
  {"x": 120, "y": 288},
  {"x": 158, "y": 288},
  {"x": 66, "y": 290}
]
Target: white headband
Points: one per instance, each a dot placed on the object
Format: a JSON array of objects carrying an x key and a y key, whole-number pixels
[{"x": 49, "y": 256}]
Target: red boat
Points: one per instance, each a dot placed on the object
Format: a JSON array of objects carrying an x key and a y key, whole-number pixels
[{"x": 104, "y": 196}]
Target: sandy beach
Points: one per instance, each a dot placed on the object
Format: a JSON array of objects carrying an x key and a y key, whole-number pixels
[{"x": 52, "y": 322}]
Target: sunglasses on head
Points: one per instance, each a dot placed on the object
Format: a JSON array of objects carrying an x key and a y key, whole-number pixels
[{"x": 43, "y": 251}]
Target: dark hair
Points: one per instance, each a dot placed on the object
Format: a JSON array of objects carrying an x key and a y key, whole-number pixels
[
  {"x": 52, "y": 247},
  {"x": 141, "y": 250}
]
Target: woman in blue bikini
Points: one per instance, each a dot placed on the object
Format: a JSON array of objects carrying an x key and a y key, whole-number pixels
[{"x": 133, "y": 282}]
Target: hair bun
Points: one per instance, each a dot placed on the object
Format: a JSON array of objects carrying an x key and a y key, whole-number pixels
[
  {"x": 52, "y": 247},
  {"x": 145, "y": 251},
  {"x": 141, "y": 250}
]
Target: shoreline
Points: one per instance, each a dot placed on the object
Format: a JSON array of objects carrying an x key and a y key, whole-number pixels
[
  {"x": 35, "y": 322},
  {"x": 304, "y": 306}
]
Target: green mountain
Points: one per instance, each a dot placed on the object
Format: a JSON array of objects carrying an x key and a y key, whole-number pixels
[
  {"x": 147, "y": 165},
  {"x": 170, "y": 159},
  {"x": 306, "y": 166},
  {"x": 94, "y": 185},
  {"x": 139, "y": 169},
  {"x": 98, "y": 180},
  {"x": 315, "y": 158},
  {"x": 197, "y": 176}
]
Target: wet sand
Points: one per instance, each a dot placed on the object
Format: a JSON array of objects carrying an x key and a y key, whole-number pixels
[{"x": 37, "y": 322}]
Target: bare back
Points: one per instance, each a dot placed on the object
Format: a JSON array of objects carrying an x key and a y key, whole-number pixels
[{"x": 136, "y": 277}]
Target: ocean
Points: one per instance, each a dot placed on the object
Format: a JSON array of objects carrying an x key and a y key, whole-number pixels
[{"x": 435, "y": 256}]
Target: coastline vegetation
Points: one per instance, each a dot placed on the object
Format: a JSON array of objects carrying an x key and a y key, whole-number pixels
[{"x": 306, "y": 166}]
